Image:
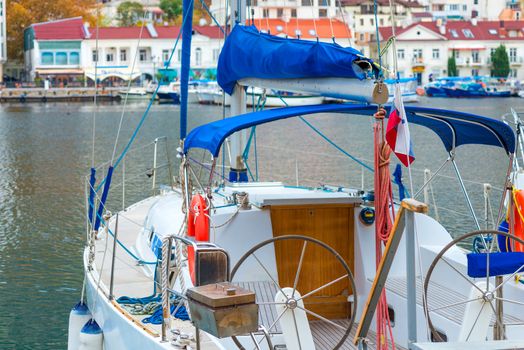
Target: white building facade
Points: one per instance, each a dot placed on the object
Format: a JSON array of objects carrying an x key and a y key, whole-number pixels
[
  {"x": 67, "y": 51},
  {"x": 423, "y": 49}
]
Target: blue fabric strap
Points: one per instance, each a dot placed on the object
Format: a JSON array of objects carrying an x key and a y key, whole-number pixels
[{"x": 101, "y": 206}]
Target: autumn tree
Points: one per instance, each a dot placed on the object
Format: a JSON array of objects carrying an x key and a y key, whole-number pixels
[
  {"x": 172, "y": 9},
  {"x": 22, "y": 13},
  {"x": 129, "y": 13}
]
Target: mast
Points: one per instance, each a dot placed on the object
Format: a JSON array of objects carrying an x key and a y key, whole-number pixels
[
  {"x": 238, "y": 170},
  {"x": 187, "y": 31}
]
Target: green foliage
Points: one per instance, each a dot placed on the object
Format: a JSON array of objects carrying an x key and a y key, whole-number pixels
[
  {"x": 129, "y": 13},
  {"x": 172, "y": 9},
  {"x": 452, "y": 66},
  {"x": 500, "y": 62}
]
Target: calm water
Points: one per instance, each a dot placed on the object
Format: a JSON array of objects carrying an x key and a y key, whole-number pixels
[{"x": 45, "y": 150}]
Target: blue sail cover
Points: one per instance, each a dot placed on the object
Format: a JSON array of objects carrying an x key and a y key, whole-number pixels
[
  {"x": 248, "y": 53},
  {"x": 453, "y": 128}
]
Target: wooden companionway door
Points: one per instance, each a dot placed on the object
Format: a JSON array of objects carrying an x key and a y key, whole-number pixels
[{"x": 331, "y": 224}]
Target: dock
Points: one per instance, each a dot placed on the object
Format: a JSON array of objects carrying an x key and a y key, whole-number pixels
[{"x": 43, "y": 95}]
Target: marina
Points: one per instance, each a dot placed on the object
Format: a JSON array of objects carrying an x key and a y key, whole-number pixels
[{"x": 242, "y": 176}]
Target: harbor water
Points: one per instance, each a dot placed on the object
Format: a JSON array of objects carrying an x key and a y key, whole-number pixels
[{"x": 46, "y": 152}]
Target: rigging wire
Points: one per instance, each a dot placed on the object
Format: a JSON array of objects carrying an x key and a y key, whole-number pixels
[
  {"x": 129, "y": 85},
  {"x": 97, "y": 31},
  {"x": 146, "y": 112}
]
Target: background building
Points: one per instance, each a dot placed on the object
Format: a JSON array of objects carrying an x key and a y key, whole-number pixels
[
  {"x": 423, "y": 48},
  {"x": 66, "y": 52},
  {"x": 3, "y": 39}
]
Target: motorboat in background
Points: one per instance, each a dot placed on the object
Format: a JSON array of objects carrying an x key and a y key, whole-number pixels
[
  {"x": 169, "y": 93},
  {"x": 134, "y": 93},
  {"x": 274, "y": 98},
  {"x": 408, "y": 87}
]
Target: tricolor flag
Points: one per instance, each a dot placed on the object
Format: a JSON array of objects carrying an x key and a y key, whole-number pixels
[{"x": 397, "y": 131}]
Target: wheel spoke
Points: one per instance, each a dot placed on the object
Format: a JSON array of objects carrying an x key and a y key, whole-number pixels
[
  {"x": 277, "y": 319},
  {"x": 455, "y": 304},
  {"x": 296, "y": 329},
  {"x": 476, "y": 320},
  {"x": 509, "y": 278},
  {"x": 322, "y": 318},
  {"x": 510, "y": 301},
  {"x": 461, "y": 274},
  {"x": 269, "y": 275},
  {"x": 270, "y": 303},
  {"x": 487, "y": 262},
  {"x": 299, "y": 269},
  {"x": 322, "y": 287}
]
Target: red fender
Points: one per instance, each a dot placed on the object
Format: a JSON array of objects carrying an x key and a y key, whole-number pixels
[
  {"x": 518, "y": 217},
  {"x": 191, "y": 262},
  {"x": 198, "y": 220}
]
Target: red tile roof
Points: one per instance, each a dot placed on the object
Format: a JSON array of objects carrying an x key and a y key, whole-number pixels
[
  {"x": 405, "y": 3},
  {"x": 306, "y": 26},
  {"x": 65, "y": 29},
  {"x": 483, "y": 30},
  {"x": 164, "y": 32}
]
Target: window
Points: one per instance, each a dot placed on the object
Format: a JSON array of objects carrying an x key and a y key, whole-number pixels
[
  {"x": 513, "y": 73},
  {"x": 474, "y": 72},
  {"x": 198, "y": 56},
  {"x": 457, "y": 53},
  {"x": 216, "y": 53},
  {"x": 94, "y": 55},
  {"x": 475, "y": 2},
  {"x": 47, "y": 58},
  {"x": 382, "y": 21},
  {"x": 454, "y": 7},
  {"x": 165, "y": 55},
  {"x": 74, "y": 58},
  {"x": 400, "y": 54},
  {"x": 61, "y": 58},
  {"x": 306, "y": 2},
  {"x": 453, "y": 33},
  {"x": 475, "y": 56},
  {"x": 493, "y": 31},
  {"x": 465, "y": 8},
  {"x": 109, "y": 57},
  {"x": 468, "y": 33},
  {"x": 179, "y": 55},
  {"x": 142, "y": 55},
  {"x": 362, "y": 21},
  {"x": 372, "y": 21},
  {"x": 417, "y": 53},
  {"x": 265, "y": 13},
  {"x": 436, "y": 54},
  {"x": 361, "y": 37},
  {"x": 323, "y": 3},
  {"x": 513, "y": 54},
  {"x": 123, "y": 55},
  {"x": 293, "y": 13},
  {"x": 322, "y": 13},
  {"x": 280, "y": 13}
]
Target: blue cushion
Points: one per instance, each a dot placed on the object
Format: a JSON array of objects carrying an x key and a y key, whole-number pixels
[{"x": 499, "y": 263}]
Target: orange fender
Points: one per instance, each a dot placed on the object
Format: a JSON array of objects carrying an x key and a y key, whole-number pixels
[{"x": 518, "y": 215}]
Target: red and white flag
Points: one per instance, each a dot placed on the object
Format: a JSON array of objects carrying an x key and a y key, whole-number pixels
[{"x": 397, "y": 131}]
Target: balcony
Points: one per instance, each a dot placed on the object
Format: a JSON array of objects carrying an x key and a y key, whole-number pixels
[
  {"x": 516, "y": 61},
  {"x": 469, "y": 62}
]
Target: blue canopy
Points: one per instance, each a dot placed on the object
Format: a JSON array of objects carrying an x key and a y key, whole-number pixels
[
  {"x": 453, "y": 128},
  {"x": 248, "y": 53}
]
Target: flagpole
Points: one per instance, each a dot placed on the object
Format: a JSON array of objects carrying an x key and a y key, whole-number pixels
[{"x": 397, "y": 76}]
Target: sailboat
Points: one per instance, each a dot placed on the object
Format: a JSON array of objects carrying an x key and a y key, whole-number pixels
[{"x": 264, "y": 265}]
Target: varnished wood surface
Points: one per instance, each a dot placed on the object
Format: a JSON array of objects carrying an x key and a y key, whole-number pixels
[{"x": 332, "y": 225}]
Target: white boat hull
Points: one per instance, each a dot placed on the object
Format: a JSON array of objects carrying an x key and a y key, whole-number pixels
[{"x": 285, "y": 101}]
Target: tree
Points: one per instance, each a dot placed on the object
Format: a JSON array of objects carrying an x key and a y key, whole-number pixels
[
  {"x": 172, "y": 9},
  {"x": 22, "y": 13},
  {"x": 500, "y": 62},
  {"x": 129, "y": 13},
  {"x": 452, "y": 66}
]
